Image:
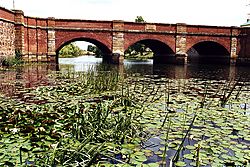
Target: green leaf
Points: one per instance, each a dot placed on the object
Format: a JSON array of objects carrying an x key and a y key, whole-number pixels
[
  {"x": 141, "y": 158},
  {"x": 189, "y": 156},
  {"x": 180, "y": 163}
]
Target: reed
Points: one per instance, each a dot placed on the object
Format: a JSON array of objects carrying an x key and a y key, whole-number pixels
[
  {"x": 166, "y": 102},
  {"x": 98, "y": 118},
  {"x": 166, "y": 142},
  {"x": 177, "y": 153},
  {"x": 198, "y": 155},
  {"x": 231, "y": 88}
]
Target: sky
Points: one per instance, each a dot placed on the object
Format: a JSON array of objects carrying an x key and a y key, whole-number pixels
[{"x": 199, "y": 12}]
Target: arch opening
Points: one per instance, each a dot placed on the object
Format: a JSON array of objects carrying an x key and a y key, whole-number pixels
[
  {"x": 160, "y": 52},
  {"x": 208, "y": 52},
  {"x": 87, "y": 46}
]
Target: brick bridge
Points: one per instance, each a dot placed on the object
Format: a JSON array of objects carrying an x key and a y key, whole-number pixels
[{"x": 40, "y": 39}]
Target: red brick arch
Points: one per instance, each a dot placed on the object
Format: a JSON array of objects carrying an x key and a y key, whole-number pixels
[
  {"x": 38, "y": 39},
  {"x": 130, "y": 39},
  {"x": 193, "y": 40},
  {"x": 100, "y": 39}
]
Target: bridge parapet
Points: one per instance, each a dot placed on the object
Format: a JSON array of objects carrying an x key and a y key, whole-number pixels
[{"x": 201, "y": 29}]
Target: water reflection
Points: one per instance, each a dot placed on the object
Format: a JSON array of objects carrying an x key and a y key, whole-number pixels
[
  {"x": 210, "y": 72},
  {"x": 82, "y": 63},
  {"x": 29, "y": 76},
  {"x": 218, "y": 72}
]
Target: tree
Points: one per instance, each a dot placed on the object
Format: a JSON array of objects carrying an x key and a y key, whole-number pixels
[
  {"x": 91, "y": 48},
  {"x": 139, "y": 19},
  {"x": 95, "y": 50},
  {"x": 137, "y": 48},
  {"x": 71, "y": 50}
]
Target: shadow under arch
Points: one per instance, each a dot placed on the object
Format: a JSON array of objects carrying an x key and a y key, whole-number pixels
[
  {"x": 105, "y": 51},
  {"x": 208, "y": 52},
  {"x": 162, "y": 53}
]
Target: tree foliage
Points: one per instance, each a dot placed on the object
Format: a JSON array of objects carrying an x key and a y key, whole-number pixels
[
  {"x": 95, "y": 50},
  {"x": 71, "y": 50},
  {"x": 138, "y": 51},
  {"x": 137, "y": 48},
  {"x": 139, "y": 19}
]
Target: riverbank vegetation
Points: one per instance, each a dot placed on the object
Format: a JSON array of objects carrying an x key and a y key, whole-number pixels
[
  {"x": 11, "y": 61},
  {"x": 139, "y": 51},
  {"x": 72, "y": 50},
  {"x": 94, "y": 50},
  {"x": 105, "y": 118}
]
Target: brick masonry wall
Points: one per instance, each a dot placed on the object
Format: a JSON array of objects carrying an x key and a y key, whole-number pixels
[
  {"x": 63, "y": 36},
  {"x": 38, "y": 39},
  {"x": 7, "y": 38},
  {"x": 6, "y": 14},
  {"x": 224, "y": 41},
  {"x": 244, "y": 46}
]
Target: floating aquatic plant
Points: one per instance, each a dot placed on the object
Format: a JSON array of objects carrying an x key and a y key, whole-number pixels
[{"x": 105, "y": 118}]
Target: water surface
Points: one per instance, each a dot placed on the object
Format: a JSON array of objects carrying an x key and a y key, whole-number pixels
[
  {"x": 36, "y": 74},
  {"x": 186, "y": 80}
]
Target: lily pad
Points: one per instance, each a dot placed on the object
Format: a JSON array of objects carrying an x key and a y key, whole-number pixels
[{"x": 180, "y": 163}]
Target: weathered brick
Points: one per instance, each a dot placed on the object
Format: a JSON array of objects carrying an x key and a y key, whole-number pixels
[
  {"x": 38, "y": 39},
  {"x": 7, "y": 38}
]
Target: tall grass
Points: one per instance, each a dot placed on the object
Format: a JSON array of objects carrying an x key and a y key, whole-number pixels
[
  {"x": 99, "y": 110},
  {"x": 11, "y": 60}
]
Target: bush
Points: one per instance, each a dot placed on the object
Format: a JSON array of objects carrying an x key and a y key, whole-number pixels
[
  {"x": 71, "y": 50},
  {"x": 12, "y": 61}
]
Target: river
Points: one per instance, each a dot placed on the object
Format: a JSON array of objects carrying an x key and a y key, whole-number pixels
[
  {"x": 147, "y": 67},
  {"x": 222, "y": 128},
  {"x": 36, "y": 74}
]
